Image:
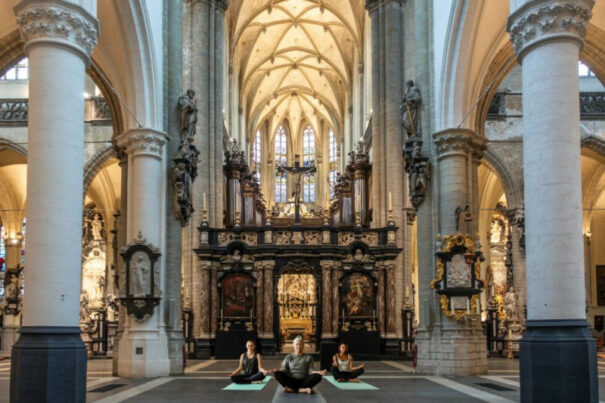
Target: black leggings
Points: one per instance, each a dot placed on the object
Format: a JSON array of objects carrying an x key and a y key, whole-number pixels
[
  {"x": 338, "y": 374},
  {"x": 293, "y": 383},
  {"x": 259, "y": 376}
]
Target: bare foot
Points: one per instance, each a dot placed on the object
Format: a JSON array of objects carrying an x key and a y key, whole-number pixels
[
  {"x": 354, "y": 380},
  {"x": 288, "y": 390},
  {"x": 341, "y": 379},
  {"x": 305, "y": 390}
]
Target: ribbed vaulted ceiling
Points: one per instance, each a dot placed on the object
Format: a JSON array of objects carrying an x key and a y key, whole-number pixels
[{"x": 295, "y": 58}]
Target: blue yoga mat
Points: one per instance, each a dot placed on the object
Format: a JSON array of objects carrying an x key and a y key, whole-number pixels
[
  {"x": 248, "y": 386},
  {"x": 350, "y": 385}
]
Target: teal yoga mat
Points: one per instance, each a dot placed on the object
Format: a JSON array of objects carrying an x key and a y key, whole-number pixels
[
  {"x": 249, "y": 386},
  {"x": 350, "y": 385}
]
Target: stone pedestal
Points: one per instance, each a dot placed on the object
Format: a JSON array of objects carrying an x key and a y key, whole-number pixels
[
  {"x": 58, "y": 37},
  {"x": 558, "y": 356},
  {"x": 9, "y": 332}
]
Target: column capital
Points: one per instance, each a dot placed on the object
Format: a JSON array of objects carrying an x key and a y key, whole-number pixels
[
  {"x": 58, "y": 23},
  {"x": 539, "y": 21},
  {"x": 142, "y": 141},
  {"x": 459, "y": 141}
]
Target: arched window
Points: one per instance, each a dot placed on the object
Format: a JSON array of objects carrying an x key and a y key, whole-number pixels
[
  {"x": 308, "y": 160},
  {"x": 256, "y": 154},
  {"x": 333, "y": 156},
  {"x": 281, "y": 152},
  {"x": 18, "y": 72},
  {"x": 584, "y": 71}
]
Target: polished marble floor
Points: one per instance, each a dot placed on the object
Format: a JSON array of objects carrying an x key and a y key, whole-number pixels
[{"x": 203, "y": 381}]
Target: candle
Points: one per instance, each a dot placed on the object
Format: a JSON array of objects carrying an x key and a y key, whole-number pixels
[
  {"x": 468, "y": 305},
  {"x": 204, "y": 202},
  {"x": 236, "y": 205},
  {"x": 390, "y": 202}
]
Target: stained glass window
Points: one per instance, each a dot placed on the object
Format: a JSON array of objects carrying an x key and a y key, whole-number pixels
[
  {"x": 308, "y": 160},
  {"x": 333, "y": 162},
  {"x": 281, "y": 152}
]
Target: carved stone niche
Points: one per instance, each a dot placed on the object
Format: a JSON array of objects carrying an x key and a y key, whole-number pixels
[
  {"x": 140, "y": 293},
  {"x": 457, "y": 282}
]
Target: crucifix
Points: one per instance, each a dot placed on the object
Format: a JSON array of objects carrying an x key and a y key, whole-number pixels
[{"x": 300, "y": 171}]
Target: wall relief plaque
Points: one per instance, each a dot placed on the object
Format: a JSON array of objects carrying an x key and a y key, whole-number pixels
[{"x": 140, "y": 291}]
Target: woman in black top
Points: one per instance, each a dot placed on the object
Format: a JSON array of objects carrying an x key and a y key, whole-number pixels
[{"x": 250, "y": 368}]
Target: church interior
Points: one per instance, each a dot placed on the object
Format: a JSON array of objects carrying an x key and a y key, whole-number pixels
[{"x": 423, "y": 181}]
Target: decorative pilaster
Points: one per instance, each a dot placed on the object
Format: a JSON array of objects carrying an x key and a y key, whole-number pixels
[
  {"x": 548, "y": 36},
  {"x": 268, "y": 308},
  {"x": 59, "y": 37},
  {"x": 326, "y": 300}
]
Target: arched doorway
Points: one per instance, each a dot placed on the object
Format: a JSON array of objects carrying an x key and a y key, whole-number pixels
[{"x": 297, "y": 307}]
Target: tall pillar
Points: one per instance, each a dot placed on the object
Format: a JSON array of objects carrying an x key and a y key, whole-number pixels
[
  {"x": 172, "y": 89},
  {"x": 455, "y": 347},
  {"x": 48, "y": 362},
  {"x": 388, "y": 30},
  {"x": 558, "y": 354},
  {"x": 143, "y": 348},
  {"x": 203, "y": 65}
]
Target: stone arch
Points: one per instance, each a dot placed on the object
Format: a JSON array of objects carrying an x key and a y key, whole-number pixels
[{"x": 96, "y": 163}]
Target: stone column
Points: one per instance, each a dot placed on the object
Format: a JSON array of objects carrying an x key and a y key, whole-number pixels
[
  {"x": 58, "y": 37},
  {"x": 143, "y": 348},
  {"x": 203, "y": 64},
  {"x": 388, "y": 29},
  {"x": 173, "y": 88},
  {"x": 548, "y": 36},
  {"x": 457, "y": 347}
]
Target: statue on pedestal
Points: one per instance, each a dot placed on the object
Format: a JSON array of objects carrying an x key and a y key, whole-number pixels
[{"x": 510, "y": 304}]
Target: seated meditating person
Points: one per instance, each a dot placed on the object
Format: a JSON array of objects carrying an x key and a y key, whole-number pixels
[
  {"x": 250, "y": 368},
  {"x": 342, "y": 366},
  {"x": 297, "y": 372}
]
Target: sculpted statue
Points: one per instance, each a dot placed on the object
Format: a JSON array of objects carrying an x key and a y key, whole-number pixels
[
  {"x": 84, "y": 312},
  {"x": 410, "y": 110},
  {"x": 510, "y": 304},
  {"x": 12, "y": 289},
  {"x": 188, "y": 116},
  {"x": 96, "y": 226},
  {"x": 139, "y": 280},
  {"x": 184, "y": 171}
]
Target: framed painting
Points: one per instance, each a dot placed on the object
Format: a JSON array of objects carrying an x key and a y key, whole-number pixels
[
  {"x": 238, "y": 296},
  {"x": 358, "y": 295}
]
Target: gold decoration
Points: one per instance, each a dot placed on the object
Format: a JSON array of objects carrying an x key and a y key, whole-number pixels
[{"x": 448, "y": 243}]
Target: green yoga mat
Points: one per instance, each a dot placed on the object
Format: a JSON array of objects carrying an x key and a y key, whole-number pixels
[
  {"x": 248, "y": 386},
  {"x": 350, "y": 385}
]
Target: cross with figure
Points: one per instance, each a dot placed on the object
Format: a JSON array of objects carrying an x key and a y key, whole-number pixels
[{"x": 300, "y": 171}]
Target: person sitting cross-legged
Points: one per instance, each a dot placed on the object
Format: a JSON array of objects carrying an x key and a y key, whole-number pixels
[
  {"x": 342, "y": 365},
  {"x": 250, "y": 368},
  {"x": 297, "y": 373}
]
